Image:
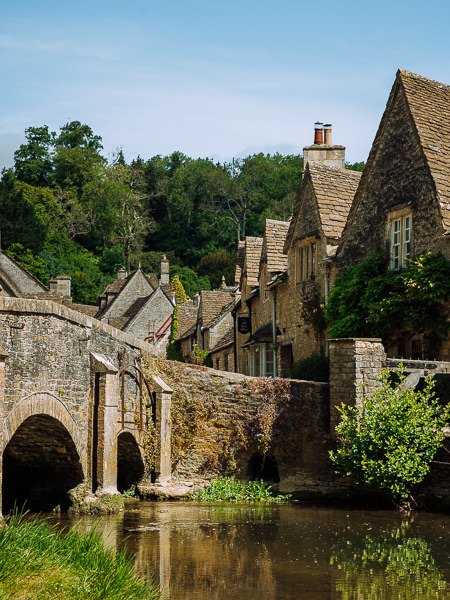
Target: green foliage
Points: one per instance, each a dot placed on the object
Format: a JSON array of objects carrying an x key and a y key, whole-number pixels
[
  {"x": 368, "y": 301},
  {"x": 37, "y": 562},
  {"x": 228, "y": 489},
  {"x": 192, "y": 282},
  {"x": 177, "y": 288},
  {"x": 33, "y": 263},
  {"x": 357, "y": 166},
  {"x": 390, "y": 438},
  {"x": 315, "y": 367},
  {"x": 217, "y": 264},
  {"x": 198, "y": 356}
]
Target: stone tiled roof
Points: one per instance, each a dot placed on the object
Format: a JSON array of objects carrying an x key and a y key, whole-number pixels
[
  {"x": 187, "y": 318},
  {"x": 86, "y": 309},
  {"x": 252, "y": 257},
  {"x": 239, "y": 262},
  {"x": 274, "y": 238},
  {"x": 225, "y": 310},
  {"x": 429, "y": 102},
  {"x": 335, "y": 190},
  {"x": 212, "y": 303},
  {"x": 116, "y": 286},
  {"x": 225, "y": 340}
]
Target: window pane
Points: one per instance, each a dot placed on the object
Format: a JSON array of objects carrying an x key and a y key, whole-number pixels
[{"x": 313, "y": 259}]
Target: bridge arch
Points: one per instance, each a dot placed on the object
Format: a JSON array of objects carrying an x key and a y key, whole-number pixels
[
  {"x": 42, "y": 455},
  {"x": 130, "y": 461}
]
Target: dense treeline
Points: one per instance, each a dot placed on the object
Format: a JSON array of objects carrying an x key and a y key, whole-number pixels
[{"x": 66, "y": 210}]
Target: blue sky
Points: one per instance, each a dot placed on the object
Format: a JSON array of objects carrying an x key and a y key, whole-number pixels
[{"x": 212, "y": 79}]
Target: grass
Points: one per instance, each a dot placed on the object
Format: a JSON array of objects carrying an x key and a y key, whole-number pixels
[
  {"x": 228, "y": 489},
  {"x": 37, "y": 562}
]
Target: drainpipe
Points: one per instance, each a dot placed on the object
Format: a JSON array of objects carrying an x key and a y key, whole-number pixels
[{"x": 274, "y": 331}]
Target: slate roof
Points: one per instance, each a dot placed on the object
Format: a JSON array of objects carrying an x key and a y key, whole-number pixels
[
  {"x": 212, "y": 304},
  {"x": 429, "y": 103},
  {"x": 334, "y": 191},
  {"x": 225, "y": 340},
  {"x": 274, "y": 238},
  {"x": 253, "y": 247},
  {"x": 187, "y": 318}
]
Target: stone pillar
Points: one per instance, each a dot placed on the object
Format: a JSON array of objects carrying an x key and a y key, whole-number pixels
[
  {"x": 3, "y": 357},
  {"x": 108, "y": 399},
  {"x": 163, "y": 404},
  {"x": 355, "y": 365}
]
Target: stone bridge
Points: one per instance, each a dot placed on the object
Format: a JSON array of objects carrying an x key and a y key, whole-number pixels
[{"x": 75, "y": 404}]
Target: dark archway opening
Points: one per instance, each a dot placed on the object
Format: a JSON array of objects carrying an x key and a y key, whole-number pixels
[
  {"x": 263, "y": 466},
  {"x": 40, "y": 466},
  {"x": 130, "y": 466}
]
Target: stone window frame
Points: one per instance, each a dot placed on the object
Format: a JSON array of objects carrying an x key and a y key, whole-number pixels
[
  {"x": 400, "y": 237},
  {"x": 306, "y": 259}
]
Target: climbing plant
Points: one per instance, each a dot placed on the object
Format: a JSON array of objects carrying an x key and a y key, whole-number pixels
[
  {"x": 370, "y": 301},
  {"x": 173, "y": 350}
]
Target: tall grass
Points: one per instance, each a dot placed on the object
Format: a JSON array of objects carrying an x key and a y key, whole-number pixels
[
  {"x": 228, "y": 489},
  {"x": 37, "y": 562}
]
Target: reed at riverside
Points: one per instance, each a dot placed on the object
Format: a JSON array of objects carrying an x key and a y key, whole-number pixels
[
  {"x": 228, "y": 489},
  {"x": 37, "y": 561}
]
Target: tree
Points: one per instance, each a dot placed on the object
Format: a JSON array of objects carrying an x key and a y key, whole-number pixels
[
  {"x": 389, "y": 440},
  {"x": 216, "y": 265},
  {"x": 33, "y": 160}
]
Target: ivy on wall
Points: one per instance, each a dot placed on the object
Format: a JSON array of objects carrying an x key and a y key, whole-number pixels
[{"x": 370, "y": 301}]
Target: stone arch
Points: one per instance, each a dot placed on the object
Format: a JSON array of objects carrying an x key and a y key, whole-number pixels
[
  {"x": 41, "y": 464},
  {"x": 42, "y": 403},
  {"x": 130, "y": 461}
]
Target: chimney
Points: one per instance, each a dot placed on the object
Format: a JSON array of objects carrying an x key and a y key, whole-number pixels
[
  {"x": 318, "y": 133},
  {"x": 61, "y": 285},
  {"x": 324, "y": 152},
  {"x": 122, "y": 274},
  {"x": 164, "y": 280},
  {"x": 327, "y": 132}
]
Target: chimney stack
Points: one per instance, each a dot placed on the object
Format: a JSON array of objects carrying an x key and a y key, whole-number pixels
[
  {"x": 323, "y": 152},
  {"x": 121, "y": 274},
  {"x": 61, "y": 285},
  {"x": 318, "y": 133},
  {"x": 164, "y": 280}
]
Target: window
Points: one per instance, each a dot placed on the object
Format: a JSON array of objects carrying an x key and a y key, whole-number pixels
[
  {"x": 400, "y": 238},
  {"x": 306, "y": 260},
  {"x": 262, "y": 360}
]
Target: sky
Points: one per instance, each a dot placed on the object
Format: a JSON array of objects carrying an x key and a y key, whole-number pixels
[{"x": 212, "y": 79}]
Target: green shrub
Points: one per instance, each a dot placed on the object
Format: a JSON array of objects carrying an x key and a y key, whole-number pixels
[
  {"x": 313, "y": 368},
  {"x": 389, "y": 439},
  {"x": 228, "y": 489}
]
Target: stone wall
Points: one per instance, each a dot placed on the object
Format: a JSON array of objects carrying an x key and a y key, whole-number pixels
[{"x": 219, "y": 411}]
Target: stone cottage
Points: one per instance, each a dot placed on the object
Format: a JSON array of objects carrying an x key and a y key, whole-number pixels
[
  {"x": 402, "y": 206},
  {"x": 140, "y": 305}
]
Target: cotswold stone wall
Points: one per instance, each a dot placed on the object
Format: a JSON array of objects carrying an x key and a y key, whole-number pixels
[{"x": 215, "y": 425}]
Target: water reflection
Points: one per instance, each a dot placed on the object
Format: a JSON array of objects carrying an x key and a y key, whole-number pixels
[
  {"x": 388, "y": 565},
  {"x": 278, "y": 552}
]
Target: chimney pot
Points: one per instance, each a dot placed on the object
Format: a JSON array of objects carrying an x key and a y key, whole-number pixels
[
  {"x": 318, "y": 132},
  {"x": 121, "y": 274},
  {"x": 327, "y": 133},
  {"x": 164, "y": 267}
]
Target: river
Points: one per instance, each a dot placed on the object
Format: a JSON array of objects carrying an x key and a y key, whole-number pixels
[{"x": 278, "y": 552}]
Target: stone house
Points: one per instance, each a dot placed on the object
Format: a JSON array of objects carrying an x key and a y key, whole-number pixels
[
  {"x": 402, "y": 205},
  {"x": 222, "y": 355},
  {"x": 17, "y": 282},
  {"x": 247, "y": 270},
  {"x": 187, "y": 327},
  {"x": 315, "y": 229},
  {"x": 140, "y": 305}
]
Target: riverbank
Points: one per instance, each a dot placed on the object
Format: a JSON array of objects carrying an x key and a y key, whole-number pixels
[{"x": 37, "y": 561}]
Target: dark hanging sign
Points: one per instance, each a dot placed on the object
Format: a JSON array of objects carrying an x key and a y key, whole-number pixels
[{"x": 244, "y": 324}]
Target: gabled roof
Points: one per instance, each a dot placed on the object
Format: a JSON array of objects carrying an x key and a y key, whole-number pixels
[
  {"x": 226, "y": 340},
  {"x": 212, "y": 303},
  {"x": 117, "y": 286},
  {"x": 429, "y": 103},
  {"x": 187, "y": 318},
  {"x": 334, "y": 190},
  {"x": 272, "y": 250},
  {"x": 252, "y": 257},
  {"x": 225, "y": 311},
  {"x": 17, "y": 280}
]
